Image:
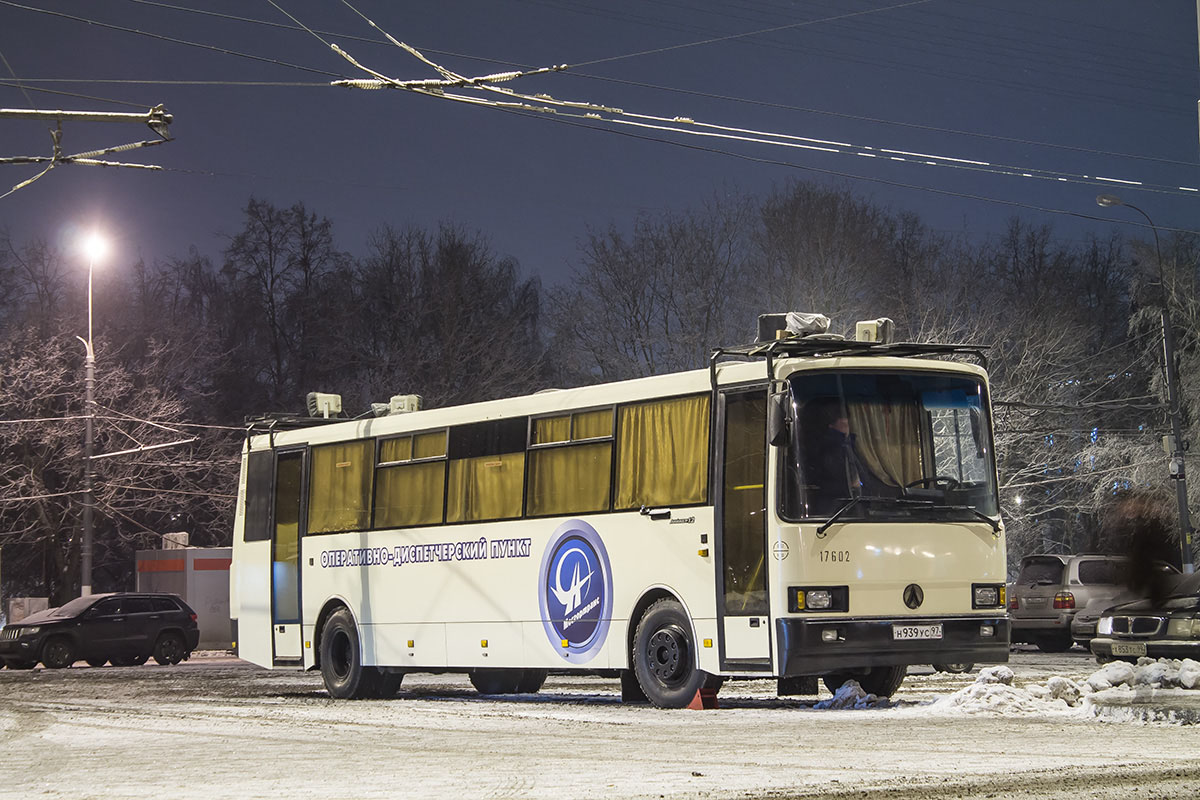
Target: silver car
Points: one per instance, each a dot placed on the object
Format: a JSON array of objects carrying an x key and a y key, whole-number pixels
[{"x": 1050, "y": 589}]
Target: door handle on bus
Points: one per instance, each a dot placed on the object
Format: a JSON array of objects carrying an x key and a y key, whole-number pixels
[{"x": 655, "y": 513}]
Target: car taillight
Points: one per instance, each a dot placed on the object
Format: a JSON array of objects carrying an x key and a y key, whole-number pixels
[
  {"x": 1064, "y": 600},
  {"x": 193, "y": 616},
  {"x": 1014, "y": 604}
]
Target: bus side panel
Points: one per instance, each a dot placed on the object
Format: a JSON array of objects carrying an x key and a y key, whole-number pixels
[{"x": 472, "y": 595}]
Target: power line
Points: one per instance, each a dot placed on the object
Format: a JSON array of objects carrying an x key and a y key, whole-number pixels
[
  {"x": 173, "y": 40},
  {"x": 573, "y": 72}
]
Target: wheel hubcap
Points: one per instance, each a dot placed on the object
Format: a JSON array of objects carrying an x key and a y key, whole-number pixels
[{"x": 668, "y": 654}]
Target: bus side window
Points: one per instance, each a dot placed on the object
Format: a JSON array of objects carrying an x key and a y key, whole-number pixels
[
  {"x": 410, "y": 481},
  {"x": 260, "y": 467},
  {"x": 570, "y": 464},
  {"x": 339, "y": 497},
  {"x": 662, "y": 453},
  {"x": 486, "y": 470}
]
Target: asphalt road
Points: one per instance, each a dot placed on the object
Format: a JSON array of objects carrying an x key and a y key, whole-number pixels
[{"x": 216, "y": 727}]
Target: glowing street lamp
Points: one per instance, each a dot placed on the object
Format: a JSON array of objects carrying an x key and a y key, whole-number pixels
[
  {"x": 1176, "y": 444},
  {"x": 95, "y": 247}
]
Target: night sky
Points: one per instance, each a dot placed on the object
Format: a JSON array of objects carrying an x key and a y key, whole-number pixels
[{"x": 1111, "y": 84}]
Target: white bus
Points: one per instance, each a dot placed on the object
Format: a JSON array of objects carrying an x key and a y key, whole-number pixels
[{"x": 806, "y": 507}]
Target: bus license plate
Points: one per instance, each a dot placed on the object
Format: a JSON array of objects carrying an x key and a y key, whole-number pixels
[
  {"x": 1129, "y": 648},
  {"x": 917, "y": 631}
]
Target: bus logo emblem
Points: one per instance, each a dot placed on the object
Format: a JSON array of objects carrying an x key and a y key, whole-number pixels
[{"x": 575, "y": 591}]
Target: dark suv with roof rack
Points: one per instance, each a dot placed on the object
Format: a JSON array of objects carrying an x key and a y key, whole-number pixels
[{"x": 126, "y": 628}]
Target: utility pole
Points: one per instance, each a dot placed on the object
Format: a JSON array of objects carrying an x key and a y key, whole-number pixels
[{"x": 1175, "y": 444}]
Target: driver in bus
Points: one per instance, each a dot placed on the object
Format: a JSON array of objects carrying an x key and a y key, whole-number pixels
[{"x": 834, "y": 471}]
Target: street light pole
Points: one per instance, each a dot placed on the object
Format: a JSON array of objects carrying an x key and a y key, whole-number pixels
[
  {"x": 95, "y": 247},
  {"x": 1176, "y": 464}
]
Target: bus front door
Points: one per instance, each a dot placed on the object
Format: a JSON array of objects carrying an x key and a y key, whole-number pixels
[
  {"x": 742, "y": 602},
  {"x": 285, "y": 558}
]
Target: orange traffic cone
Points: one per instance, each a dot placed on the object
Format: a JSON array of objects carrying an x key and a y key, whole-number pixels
[{"x": 705, "y": 698}]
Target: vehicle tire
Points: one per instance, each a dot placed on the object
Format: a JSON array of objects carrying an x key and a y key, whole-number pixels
[
  {"x": 879, "y": 681},
  {"x": 341, "y": 660},
  {"x": 169, "y": 649},
  {"x": 531, "y": 681},
  {"x": 16, "y": 663},
  {"x": 1054, "y": 644},
  {"x": 58, "y": 653},
  {"x": 497, "y": 681},
  {"x": 664, "y": 656},
  {"x": 96, "y": 662},
  {"x": 954, "y": 669}
]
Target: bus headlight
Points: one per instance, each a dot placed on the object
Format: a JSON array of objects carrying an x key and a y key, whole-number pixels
[
  {"x": 987, "y": 595},
  {"x": 818, "y": 598}
]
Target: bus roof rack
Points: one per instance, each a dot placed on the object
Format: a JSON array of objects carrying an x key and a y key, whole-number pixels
[{"x": 834, "y": 346}]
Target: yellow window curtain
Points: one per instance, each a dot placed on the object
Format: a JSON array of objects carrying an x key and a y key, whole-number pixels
[
  {"x": 340, "y": 488},
  {"x": 429, "y": 445},
  {"x": 410, "y": 495},
  {"x": 569, "y": 480},
  {"x": 887, "y": 438},
  {"x": 395, "y": 449},
  {"x": 287, "y": 508},
  {"x": 592, "y": 424},
  {"x": 486, "y": 487},
  {"x": 662, "y": 453},
  {"x": 551, "y": 429}
]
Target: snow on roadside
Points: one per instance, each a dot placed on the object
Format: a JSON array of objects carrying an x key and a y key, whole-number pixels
[{"x": 993, "y": 691}]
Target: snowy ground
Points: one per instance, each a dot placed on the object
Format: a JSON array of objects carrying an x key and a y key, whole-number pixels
[{"x": 215, "y": 727}]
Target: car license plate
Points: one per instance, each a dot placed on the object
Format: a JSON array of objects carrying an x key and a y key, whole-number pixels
[
  {"x": 917, "y": 631},
  {"x": 1129, "y": 648}
]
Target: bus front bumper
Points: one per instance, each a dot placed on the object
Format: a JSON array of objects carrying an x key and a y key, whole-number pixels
[{"x": 811, "y": 646}]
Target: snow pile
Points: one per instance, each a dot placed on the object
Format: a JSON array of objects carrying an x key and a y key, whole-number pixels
[
  {"x": 1162, "y": 673},
  {"x": 852, "y": 695},
  {"x": 993, "y": 691}
]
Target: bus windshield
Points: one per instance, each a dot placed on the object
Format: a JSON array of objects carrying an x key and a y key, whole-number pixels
[{"x": 888, "y": 446}]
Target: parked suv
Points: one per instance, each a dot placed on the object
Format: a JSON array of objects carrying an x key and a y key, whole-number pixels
[
  {"x": 1049, "y": 589},
  {"x": 125, "y": 628}
]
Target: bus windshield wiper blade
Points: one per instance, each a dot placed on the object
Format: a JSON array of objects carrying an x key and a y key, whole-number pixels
[
  {"x": 841, "y": 512},
  {"x": 994, "y": 523}
]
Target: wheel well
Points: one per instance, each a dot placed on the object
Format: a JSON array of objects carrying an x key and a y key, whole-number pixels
[
  {"x": 644, "y": 602},
  {"x": 322, "y": 618}
]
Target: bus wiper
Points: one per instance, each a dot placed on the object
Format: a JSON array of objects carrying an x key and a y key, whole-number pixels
[
  {"x": 841, "y": 512},
  {"x": 994, "y": 523}
]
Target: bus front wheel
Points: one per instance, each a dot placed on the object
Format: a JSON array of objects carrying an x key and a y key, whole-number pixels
[
  {"x": 879, "y": 681},
  {"x": 341, "y": 660},
  {"x": 664, "y": 656}
]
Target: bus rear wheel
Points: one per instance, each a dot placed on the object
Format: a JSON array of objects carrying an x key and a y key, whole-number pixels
[
  {"x": 341, "y": 660},
  {"x": 665, "y": 657}
]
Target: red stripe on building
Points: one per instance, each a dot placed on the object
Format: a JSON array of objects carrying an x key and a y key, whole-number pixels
[
  {"x": 211, "y": 563},
  {"x": 161, "y": 565}
]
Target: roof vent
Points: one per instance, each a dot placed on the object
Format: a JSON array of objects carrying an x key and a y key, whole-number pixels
[
  {"x": 792, "y": 323},
  {"x": 879, "y": 331},
  {"x": 321, "y": 404}
]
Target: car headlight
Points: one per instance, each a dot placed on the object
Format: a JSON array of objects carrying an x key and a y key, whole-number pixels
[
  {"x": 1183, "y": 628},
  {"x": 31, "y": 631},
  {"x": 1104, "y": 626}
]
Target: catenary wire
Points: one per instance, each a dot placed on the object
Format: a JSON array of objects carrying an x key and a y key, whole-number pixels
[{"x": 658, "y": 87}]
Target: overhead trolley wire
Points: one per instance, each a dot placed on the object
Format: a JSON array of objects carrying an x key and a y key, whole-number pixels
[{"x": 573, "y": 71}]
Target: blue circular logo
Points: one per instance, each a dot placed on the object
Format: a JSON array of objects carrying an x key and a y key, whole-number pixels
[{"x": 575, "y": 591}]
